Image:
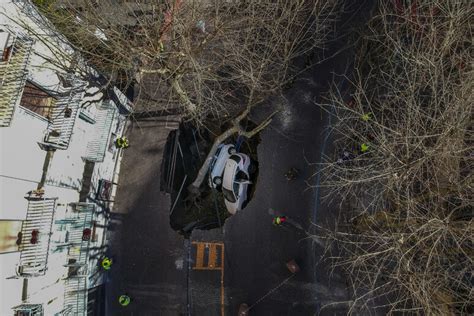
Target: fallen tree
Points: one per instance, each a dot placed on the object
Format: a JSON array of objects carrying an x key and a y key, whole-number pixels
[{"x": 236, "y": 128}]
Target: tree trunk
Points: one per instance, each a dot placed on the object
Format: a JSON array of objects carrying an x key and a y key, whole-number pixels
[
  {"x": 236, "y": 128},
  {"x": 183, "y": 96},
  {"x": 205, "y": 166}
]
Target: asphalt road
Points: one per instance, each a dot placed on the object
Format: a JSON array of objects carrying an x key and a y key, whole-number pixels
[
  {"x": 149, "y": 257},
  {"x": 151, "y": 260},
  {"x": 256, "y": 251}
]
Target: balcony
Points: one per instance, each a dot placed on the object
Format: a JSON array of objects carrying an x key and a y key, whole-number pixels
[
  {"x": 28, "y": 310},
  {"x": 80, "y": 225},
  {"x": 15, "y": 51},
  {"x": 63, "y": 117},
  {"x": 35, "y": 236},
  {"x": 97, "y": 147},
  {"x": 75, "y": 297}
]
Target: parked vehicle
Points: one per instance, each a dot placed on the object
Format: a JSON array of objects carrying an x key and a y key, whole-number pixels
[
  {"x": 216, "y": 168},
  {"x": 235, "y": 182}
]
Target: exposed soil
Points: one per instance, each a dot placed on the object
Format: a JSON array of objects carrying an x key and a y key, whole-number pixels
[{"x": 185, "y": 150}]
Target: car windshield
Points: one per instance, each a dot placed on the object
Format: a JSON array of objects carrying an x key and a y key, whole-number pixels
[
  {"x": 228, "y": 195},
  {"x": 214, "y": 159},
  {"x": 236, "y": 188}
]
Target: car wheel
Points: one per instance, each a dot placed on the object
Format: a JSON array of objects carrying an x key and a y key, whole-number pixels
[
  {"x": 232, "y": 150},
  {"x": 252, "y": 168},
  {"x": 217, "y": 181},
  {"x": 244, "y": 205}
]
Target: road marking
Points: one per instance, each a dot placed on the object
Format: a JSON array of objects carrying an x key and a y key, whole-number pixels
[
  {"x": 213, "y": 249},
  {"x": 212, "y": 256},
  {"x": 200, "y": 256}
]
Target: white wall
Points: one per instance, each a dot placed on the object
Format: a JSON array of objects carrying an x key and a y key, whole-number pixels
[{"x": 21, "y": 164}]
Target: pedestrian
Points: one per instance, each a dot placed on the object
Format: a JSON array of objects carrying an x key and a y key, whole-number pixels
[
  {"x": 291, "y": 174},
  {"x": 106, "y": 263},
  {"x": 345, "y": 156},
  {"x": 124, "y": 300},
  {"x": 279, "y": 220},
  {"x": 122, "y": 142}
]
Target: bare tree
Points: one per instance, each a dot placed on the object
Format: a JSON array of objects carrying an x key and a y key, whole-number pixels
[
  {"x": 206, "y": 57},
  {"x": 404, "y": 161}
]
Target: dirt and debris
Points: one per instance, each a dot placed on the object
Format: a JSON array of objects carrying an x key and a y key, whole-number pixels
[{"x": 185, "y": 150}]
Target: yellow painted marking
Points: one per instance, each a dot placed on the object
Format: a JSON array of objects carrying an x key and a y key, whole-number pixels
[
  {"x": 222, "y": 279},
  {"x": 212, "y": 263},
  {"x": 200, "y": 256},
  {"x": 212, "y": 256}
]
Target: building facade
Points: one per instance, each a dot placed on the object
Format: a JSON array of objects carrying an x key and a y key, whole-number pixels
[{"x": 58, "y": 166}]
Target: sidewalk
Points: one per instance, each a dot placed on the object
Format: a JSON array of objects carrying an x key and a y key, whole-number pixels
[{"x": 149, "y": 257}]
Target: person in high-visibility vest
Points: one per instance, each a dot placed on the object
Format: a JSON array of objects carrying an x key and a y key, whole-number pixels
[
  {"x": 106, "y": 263},
  {"x": 122, "y": 142},
  {"x": 124, "y": 300},
  {"x": 279, "y": 220}
]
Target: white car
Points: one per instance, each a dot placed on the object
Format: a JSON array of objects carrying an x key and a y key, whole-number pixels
[
  {"x": 236, "y": 180},
  {"x": 216, "y": 168}
]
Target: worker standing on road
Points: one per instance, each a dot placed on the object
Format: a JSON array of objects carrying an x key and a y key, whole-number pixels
[
  {"x": 124, "y": 300},
  {"x": 122, "y": 142},
  {"x": 279, "y": 220},
  {"x": 106, "y": 263}
]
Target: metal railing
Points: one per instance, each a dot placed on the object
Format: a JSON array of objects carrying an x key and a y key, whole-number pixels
[
  {"x": 63, "y": 117},
  {"x": 28, "y": 309},
  {"x": 75, "y": 295},
  {"x": 35, "y": 236},
  {"x": 14, "y": 61},
  {"x": 97, "y": 147}
]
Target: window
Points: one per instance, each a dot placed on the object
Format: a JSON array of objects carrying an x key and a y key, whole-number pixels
[
  {"x": 5, "y": 49},
  {"x": 37, "y": 100},
  {"x": 241, "y": 176},
  {"x": 236, "y": 188},
  {"x": 228, "y": 195},
  {"x": 235, "y": 158},
  {"x": 10, "y": 235}
]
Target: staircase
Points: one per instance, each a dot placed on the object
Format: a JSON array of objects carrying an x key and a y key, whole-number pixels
[{"x": 13, "y": 72}]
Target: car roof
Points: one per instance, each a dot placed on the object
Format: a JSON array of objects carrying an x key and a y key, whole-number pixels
[{"x": 229, "y": 172}]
